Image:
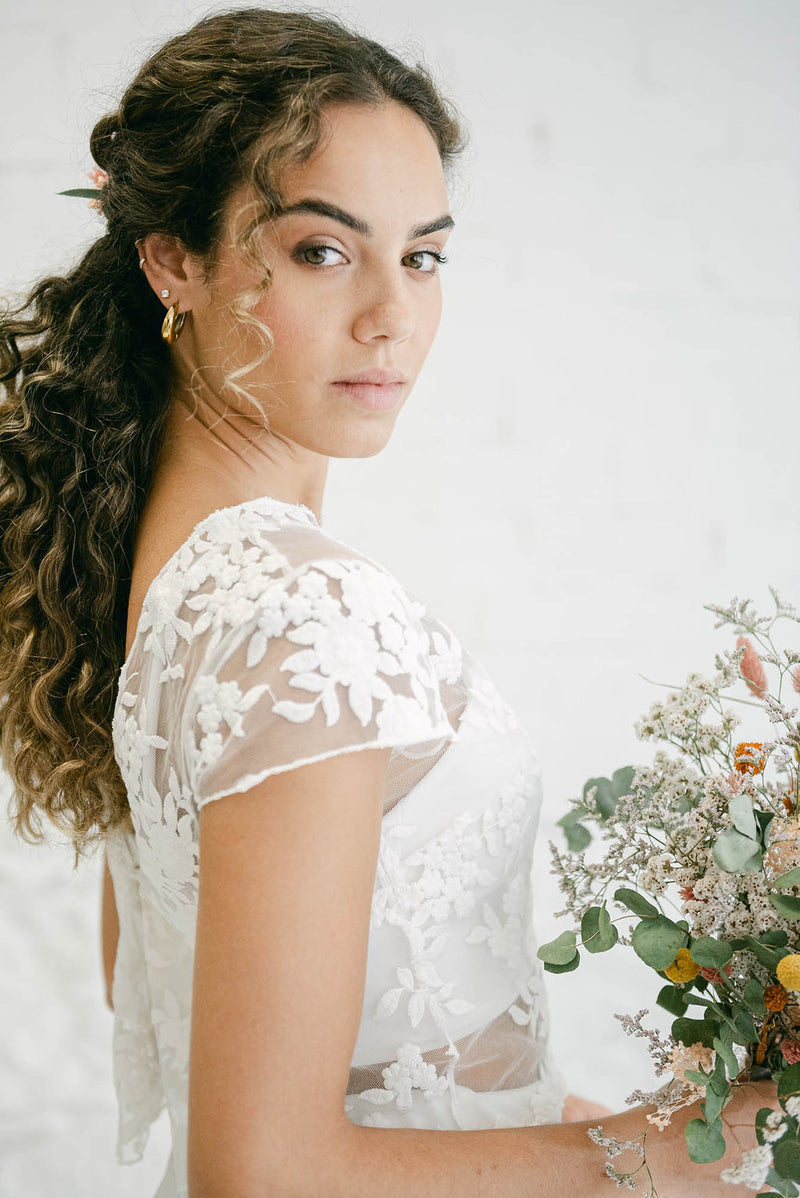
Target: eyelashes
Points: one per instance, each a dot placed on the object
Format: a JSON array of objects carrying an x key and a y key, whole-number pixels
[{"x": 299, "y": 256}]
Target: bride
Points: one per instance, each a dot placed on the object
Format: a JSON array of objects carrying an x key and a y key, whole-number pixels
[{"x": 318, "y": 813}]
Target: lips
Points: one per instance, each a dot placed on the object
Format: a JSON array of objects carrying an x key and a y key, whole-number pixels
[{"x": 377, "y": 378}]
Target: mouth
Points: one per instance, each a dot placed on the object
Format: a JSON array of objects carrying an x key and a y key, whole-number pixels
[{"x": 376, "y": 396}]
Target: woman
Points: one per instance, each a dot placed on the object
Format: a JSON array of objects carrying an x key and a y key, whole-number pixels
[{"x": 197, "y": 673}]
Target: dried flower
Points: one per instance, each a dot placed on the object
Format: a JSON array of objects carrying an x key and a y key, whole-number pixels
[
  {"x": 790, "y": 1050},
  {"x": 695, "y": 1057},
  {"x": 751, "y": 668},
  {"x": 775, "y": 998},
  {"x": 748, "y": 758},
  {"x": 796, "y": 679},
  {"x": 788, "y": 971},
  {"x": 714, "y": 976},
  {"x": 683, "y": 968}
]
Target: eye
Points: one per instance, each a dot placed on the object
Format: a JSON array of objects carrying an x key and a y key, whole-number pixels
[
  {"x": 439, "y": 259},
  {"x": 300, "y": 254}
]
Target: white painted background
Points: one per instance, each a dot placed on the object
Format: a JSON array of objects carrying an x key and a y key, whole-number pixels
[{"x": 605, "y": 436}]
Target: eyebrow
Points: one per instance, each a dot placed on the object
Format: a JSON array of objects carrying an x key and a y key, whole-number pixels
[{"x": 334, "y": 212}]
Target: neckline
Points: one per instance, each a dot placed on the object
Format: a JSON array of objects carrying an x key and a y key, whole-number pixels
[{"x": 296, "y": 511}]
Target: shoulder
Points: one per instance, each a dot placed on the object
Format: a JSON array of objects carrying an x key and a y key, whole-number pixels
[{"x": 246, "y": 573}]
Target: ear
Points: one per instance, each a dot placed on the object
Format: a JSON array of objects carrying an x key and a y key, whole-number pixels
[{"x": 170, "y": 267}]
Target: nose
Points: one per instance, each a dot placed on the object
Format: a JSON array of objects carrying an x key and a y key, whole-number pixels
[{"x": 386, "y": 312}]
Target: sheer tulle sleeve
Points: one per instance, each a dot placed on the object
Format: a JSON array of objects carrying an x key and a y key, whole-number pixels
[{"x": 331, "y": 658}]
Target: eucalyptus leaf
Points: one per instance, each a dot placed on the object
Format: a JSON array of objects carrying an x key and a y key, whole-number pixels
[
  {"x": 559, "y": 951},
  {"x": 789, "y": 1082},
  {"x": 726, "y": 1054},
  {"x": 656, "y": 941},
  {"x": 621, "y": 781},
  {"x": 791, "y": 878},
  {"x": 695, "y": 1031},
  {"x": 598, "y": 933},
  {"x": 714, "y": 1104},
  {"x": 710, "y": 953},
  {"x": 578, "y": 837},
  {"x": 753, "y": 997},
  {"x": 635, "y": 902},
  {"x": 705, "y": 1141},
  {"x": 786, "y": 1158},
  {"x": 672, "y": 999},
  {"x": 786, "y": 905},
  {"x": 740, "y": 809},
  {"x": 604, "y": 795},
  {"x": 737, "y": 854},
  {"x": 568, "y": 968}
]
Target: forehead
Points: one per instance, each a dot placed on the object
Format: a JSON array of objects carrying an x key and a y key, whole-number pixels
[{"x": 380, "y": 154}]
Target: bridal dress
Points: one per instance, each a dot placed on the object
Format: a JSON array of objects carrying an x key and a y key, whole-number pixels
[{"x": 265, "y": 644}]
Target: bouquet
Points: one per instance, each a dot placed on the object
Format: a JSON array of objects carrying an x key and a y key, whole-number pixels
[{"x": 700, "y": 877}]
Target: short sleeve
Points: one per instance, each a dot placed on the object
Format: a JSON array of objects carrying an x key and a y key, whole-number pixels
[{"x": 331, "y": 658}]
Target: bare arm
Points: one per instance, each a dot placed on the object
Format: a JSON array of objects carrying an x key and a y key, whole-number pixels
[
  {"x": 286, "y": 878},
  {"x": 109, "y": 930}
]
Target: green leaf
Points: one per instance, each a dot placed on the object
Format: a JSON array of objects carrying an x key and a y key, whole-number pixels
[
  {"x": 777, "y": 937},
  {"x": 786, "y": 1158},
  {"x": 786, "y": 905},
  {"x": 559, "y": 951},
  {"x": 726, "y": 1054},
  {"x": 621, "y": 781},
  {"x": 791, "y": 878},
  {"x": 598, "y": 933},
  {"x": 604, "y": 797},
  {"x": 768, "y": 957},
  {"x": 710, "y": 953},
  {"x": 740, "y": 809},
  {"x": 656, "y": 941},
  {"x": 568, "y": 968},
  {"x": 753, "y": 997},
  {"x": 704, "y": 1141},
  {"x": 737, "y": 854},
  {"x": 672, "y": 999},
  {"x": 715, "y": 1103},
  {"x": 697, "y": 1077},
  {"x": 695, "y": 1031},
  {"x": 578, "y": 837},
  {"x": 789, "y": 1083},
  {"x": 635, "y": 902},
  {"x": 719, "y": 1082},
  {"x": 745, "y": 1028},
  {"x": 86, "y": 193}
]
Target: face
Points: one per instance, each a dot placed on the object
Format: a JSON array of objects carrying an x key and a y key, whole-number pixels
[{"x": 355, "y": 284}]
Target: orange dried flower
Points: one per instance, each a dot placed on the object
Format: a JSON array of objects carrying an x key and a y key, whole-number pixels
[
  {"x": 775, "y": 998},
  {"x": 748, "y": 758},
  {"x": 750, "y": 667}
]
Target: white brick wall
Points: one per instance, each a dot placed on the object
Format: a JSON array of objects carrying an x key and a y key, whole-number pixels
[{"x": 604, "y": 438}]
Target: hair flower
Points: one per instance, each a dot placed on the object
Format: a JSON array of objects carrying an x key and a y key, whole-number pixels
[{"x": 100, "y": 179}]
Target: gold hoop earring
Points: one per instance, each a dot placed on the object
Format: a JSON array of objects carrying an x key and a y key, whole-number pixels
[{"x": 173, "y": 323}]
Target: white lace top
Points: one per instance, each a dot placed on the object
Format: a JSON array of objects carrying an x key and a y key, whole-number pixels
[{"x": 264, "y": 644}]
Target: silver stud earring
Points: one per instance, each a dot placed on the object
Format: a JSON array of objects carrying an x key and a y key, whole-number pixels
[{"x": 165, "y": 294}]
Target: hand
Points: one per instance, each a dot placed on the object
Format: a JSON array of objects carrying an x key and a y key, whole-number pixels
[{"x": 578, "y": 1109}]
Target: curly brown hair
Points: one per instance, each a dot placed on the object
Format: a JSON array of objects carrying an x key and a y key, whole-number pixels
[{"x": 86, "y": 376}]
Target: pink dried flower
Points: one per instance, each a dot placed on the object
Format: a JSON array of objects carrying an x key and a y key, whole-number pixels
[
  {"x": 751, "y": 668},
  {"x": 796, "y": 679},
  {"x": 692, "y": 1056},
  {"x": 100, "y": 180},
  {"x": 790, "y": 1050},
  {"x": 714, "y": 976}
]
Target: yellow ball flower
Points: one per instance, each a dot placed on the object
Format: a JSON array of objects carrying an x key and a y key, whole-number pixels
[
  {"x": 788, "y": 971},
  {"x": 684, "y": 969}
]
